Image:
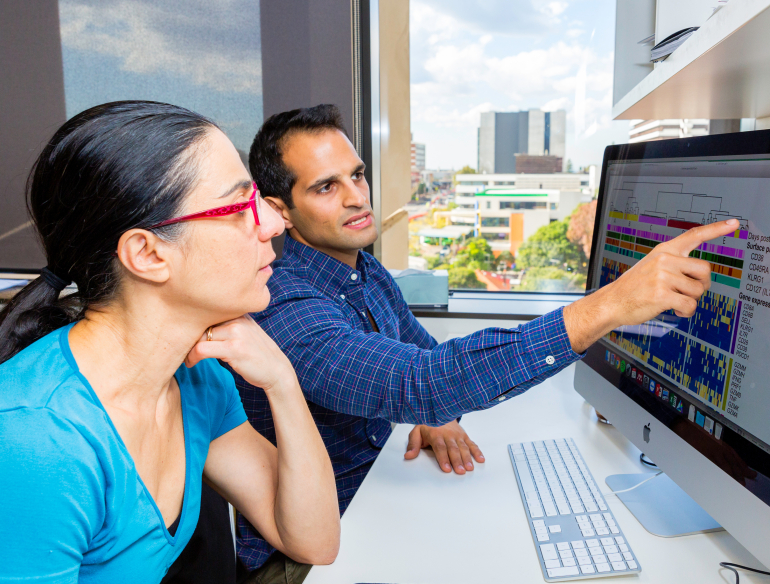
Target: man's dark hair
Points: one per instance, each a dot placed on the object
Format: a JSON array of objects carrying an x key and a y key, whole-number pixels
[{"x": 273, "y": 177}]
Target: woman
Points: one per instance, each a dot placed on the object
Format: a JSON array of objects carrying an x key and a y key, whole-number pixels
[{"x": 113, "y": 404}]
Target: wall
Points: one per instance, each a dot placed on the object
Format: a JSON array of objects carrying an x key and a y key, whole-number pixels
[
  {"x": 32, "y": 108},
  {"x": 306, "y": 59},
  {"x": 395, "y": 141}
]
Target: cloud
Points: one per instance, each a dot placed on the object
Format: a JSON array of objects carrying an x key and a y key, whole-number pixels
[
  {"x": 214, "y": 45},
  {"x": 501, "y": 17}
]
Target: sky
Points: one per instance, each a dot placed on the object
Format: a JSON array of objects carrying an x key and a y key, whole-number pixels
[
  {"x": 468, "y": 57},
  {"x": 202, "y": 55}
]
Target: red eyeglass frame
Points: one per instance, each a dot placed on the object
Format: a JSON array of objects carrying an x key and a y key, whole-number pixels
[{"x": 252, "y": 203}]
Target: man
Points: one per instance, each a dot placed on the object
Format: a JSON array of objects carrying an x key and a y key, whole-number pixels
[{"x": 364, "y": 361}]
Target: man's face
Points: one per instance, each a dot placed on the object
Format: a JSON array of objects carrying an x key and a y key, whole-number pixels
[{"x": 331, "y": 196}]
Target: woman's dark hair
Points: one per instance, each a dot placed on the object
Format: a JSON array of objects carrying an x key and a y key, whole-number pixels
[
  {"x": 266, "y": 164},
  {"x": 111, "y": 168}
]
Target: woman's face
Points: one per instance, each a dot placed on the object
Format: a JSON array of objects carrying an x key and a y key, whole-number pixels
[{"x": 223, "y": 263}]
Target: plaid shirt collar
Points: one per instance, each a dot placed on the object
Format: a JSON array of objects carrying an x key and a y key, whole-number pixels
[{"x": 323, "y": 272}]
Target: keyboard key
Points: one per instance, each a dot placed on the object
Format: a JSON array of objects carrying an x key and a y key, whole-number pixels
[
  {"x": 603, "y": 568},
  {"x": 632, "y": 565},
  {"x": 614, "y": 529},
  {"x": 602, "y": 531},
  {"x": 628, "y": 556},
  {"x": 562, "y": 546},
  {"x": 587, "y": 569},
  {"x": 578, "y": 545},
  {"x": 593, "y": 543},
  {"x": 554, "y": 528},
  {"x": 614, "y": 558},
  {"x": 542, "y": 537},
  {"x": 561, "y": 572},
  {"x": 610, "y": 549},
  {"x": 569, "y": 562},
  {"x": 619, "y": 540},
  {"x": 598, "y": 524},
  {"x": 581, "y": 553},
  {"x": 595, "y": 517},
  {"x": 588, "y": 532},
  {"x": 582, "y": 519},
  {"x": 538, "y": 523},
  {"x": 607, "y": 541},
  {"x": 584, "y": 561},
  {"x": 548, "y": 547},
  {"x": 608, "y": 517},
  {"x": 623, "y": 547},
  {"x": 538, "y": 512},
  {"x": 596, "y": 551},
  {"x": 619, "y": 566},
  {"x": 552, "y": 564},
  {"x": 567, "y": 554},
  {"x": 600, "y": 559}
]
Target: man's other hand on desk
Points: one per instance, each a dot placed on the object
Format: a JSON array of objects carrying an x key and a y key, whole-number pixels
[
  {"x": 665, "y": 279},
  {"x": 451, "y": 445}
]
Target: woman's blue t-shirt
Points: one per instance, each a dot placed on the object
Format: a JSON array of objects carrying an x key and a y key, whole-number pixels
[{"x": 72, "y": 505}]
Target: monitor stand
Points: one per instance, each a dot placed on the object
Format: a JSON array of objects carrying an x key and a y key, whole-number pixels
[{"x": 661, "y": 506}]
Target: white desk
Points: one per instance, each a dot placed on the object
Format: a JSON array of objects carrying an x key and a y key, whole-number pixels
[{"x": 412, "y": 524}]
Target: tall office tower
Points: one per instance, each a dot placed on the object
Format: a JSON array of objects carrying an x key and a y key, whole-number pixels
[
  {"x": 503, "y": 135},
  {"x": 650, "y": 130},
  {"x": 418, "y": 156}
]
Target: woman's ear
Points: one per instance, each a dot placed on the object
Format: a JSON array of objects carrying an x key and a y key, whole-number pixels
[
  {"x": 280, "y": 207},
  {"x": 145, "y": 255}
]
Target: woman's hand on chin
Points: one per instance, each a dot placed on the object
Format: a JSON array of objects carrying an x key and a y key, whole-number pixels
[{"x": 242, "y": 344}]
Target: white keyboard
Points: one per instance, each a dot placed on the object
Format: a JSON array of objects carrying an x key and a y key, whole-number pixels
[{"x": 575, "y": 533}]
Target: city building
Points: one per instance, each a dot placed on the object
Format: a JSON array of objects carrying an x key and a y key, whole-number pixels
[
  {"x": 502, "y": 135},
  {"x": 417, "y": 157},
  {"x": 506, "y": 209},
  {"x": 529, "y": 164},
  {"x": 650, "y": 130}
]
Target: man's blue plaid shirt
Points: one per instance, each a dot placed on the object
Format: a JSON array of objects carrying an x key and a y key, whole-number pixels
[{"x": 358, "y": 381}]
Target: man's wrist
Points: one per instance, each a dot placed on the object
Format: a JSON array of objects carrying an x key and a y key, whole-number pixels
[{"x": 590, "y": 318}]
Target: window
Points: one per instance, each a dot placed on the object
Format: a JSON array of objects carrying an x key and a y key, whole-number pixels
[
  {"x": 495, "y": 221},
  {"x": 522, "y": 205},
  {"x": 205, "y": 56},
  {"x": 495, "y": 236},
  {"x": 520, "y": 94}
]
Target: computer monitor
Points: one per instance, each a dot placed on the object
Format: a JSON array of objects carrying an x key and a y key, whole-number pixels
[{"x": 693, "y": 394}]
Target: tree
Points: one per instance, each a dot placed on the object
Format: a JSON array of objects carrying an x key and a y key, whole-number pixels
[
  {"x": 476, "y": 254},
  {"x": 569, "y": 165},
  {"x": 549, "y": 247},
  {"x": 464, "y": 170},
  {"x": 506, "y": 258},
  {"x": 581, "y": 226},
  {"x": 463, "y": 277}
]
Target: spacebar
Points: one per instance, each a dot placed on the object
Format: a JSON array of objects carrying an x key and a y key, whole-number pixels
[{"x": 558, "y": 572}]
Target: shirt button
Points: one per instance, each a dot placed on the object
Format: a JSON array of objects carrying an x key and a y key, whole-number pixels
[
  {"x": 354, "y": 276},
  {"x": 374, "y": 438},
  {"x": 342, "y": 296},
  {"x": 550, "y": 360},
  {"x": 501, "y": 398}
]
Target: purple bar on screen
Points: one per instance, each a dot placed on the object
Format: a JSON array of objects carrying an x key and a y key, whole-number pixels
[
  {"x": 736, "y": 324},
  {"x": 653, "y": 220}
]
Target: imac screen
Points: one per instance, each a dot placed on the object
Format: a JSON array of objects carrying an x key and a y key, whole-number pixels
[{"x": 707, "y": 376}]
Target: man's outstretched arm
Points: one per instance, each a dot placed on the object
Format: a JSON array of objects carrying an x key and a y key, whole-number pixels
[
  {"x": 665, "y": 279},
  {"x": 369, "y": 375}
]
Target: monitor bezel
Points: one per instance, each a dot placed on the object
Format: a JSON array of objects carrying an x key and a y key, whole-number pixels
[{"x": 738, "y": 144}]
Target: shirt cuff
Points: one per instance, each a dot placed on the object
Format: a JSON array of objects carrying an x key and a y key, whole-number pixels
[{"x": 546, "y": 344}]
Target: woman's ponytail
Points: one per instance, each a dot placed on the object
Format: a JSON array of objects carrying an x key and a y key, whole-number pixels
[{"x": 34, "y": 311}]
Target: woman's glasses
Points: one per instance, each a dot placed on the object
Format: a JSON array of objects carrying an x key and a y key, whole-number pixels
[{"x": 253, "y": 203}]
